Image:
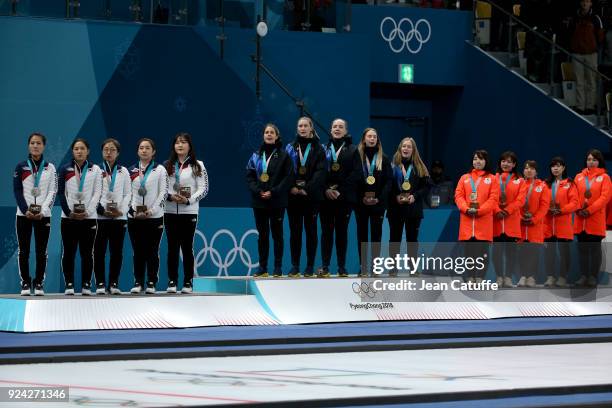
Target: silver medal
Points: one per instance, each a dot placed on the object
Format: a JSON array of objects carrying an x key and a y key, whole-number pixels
[
  {"x": 35, "y": 191},
  {"x": 142, "y": 191},
  {"x": 80, "y": 196}
]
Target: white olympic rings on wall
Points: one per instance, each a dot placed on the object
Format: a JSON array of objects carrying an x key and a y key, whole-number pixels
[{"x": 389, "y": 30}]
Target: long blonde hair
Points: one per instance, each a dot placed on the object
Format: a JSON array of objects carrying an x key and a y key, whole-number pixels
[
  {"x": 416, "y": 157},
  {"x": 361, "y": 148}
]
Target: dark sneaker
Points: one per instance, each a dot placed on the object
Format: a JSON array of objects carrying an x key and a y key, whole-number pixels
[
  {"x": 114, "y": 289},
  {"x": 261, "y": 273},
  {"x": 26, "y": 290},
  {"x": 309, "y": 271},
  {"x": 137, "y": 288},
  {"x": 342, "y": 273},
  {"x": 101, "y": 289},
  {"x": 323, "y": 272},
  {"x": 171, "y": 287},
  {"x": 187, "y": 287},
  {"x": 86, "y": 291},
  {"x": 294, "y": 272},
  {"x": 150, "y": 288},
  {"x": 278, "y": 272},
  {"x": 38, "y": 289},
  {"x": 69, "y": 290}
]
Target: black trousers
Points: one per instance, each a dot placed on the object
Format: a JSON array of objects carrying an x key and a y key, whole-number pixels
[
  {"x": 269, "y": 220},
  {"x": 397, "y": 225},
  {"x": 589, "y": 254},
  {"x": 111, "y": 233},
  {"x": 81, "y": 233},
  {"x": 145, "y": 236},
  {"x": 41, "y": 229},
  {"x": 504, "y": 255},
  {"x": 475, "y": 248},
  {"x": 303, "y": 217},
  {"x": 369, "y": 234},
  {"x": 180, "y": 230},
  {"x": 561, "y": 247},
  {"x": 335, "y": 216}
]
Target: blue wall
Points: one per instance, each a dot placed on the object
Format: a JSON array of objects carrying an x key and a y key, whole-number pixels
[{"x": 100, "y": 79}]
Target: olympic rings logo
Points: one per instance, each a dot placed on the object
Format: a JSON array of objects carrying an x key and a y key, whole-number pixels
[
  {"x": 363, "y": 289},
  {"x": 412, "y": 39},
  {"x": 224, "y": 262}
]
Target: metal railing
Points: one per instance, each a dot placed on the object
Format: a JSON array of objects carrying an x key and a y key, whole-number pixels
[{"x": 555, "y": 49}]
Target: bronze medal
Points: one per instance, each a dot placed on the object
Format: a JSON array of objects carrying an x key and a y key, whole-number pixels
[
  {"x": 302, "y": 170},
  {"x": 474, "y": 196},
  {"x": 264, "y": 177},
  {"x": 335, "y": 166},
  {"x": 371, "y": 180},
  {"x": 406, "y": 185}
]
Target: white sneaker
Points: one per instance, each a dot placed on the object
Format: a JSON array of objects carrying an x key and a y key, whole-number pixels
[
  {"x": 69, "y": 289},
  {"x": 499, "y": 281},
  {"x": 531, "y": 282},
  {"x": 171, "y": 287},
  {"x": 114, "y": 289},
  {"x": 136, "y": 289},
  {"x": 100, "y": 289},
  {"x": 150, "y": 288},
  {"x": 508, "y": 282},
  {"x": 550, "y": 282},
  {"x": 86, "y": 291},
  {"x": 38, "y": 290},
  {"x": 561, "y": 282},
  {"x": 26, "y": 290},
  {"x": 581, "y": 281},
  {"x": 521, "y": 282}
]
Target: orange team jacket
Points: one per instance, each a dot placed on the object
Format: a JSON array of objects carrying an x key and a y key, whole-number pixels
[
  {"x": 515, "y": 197},
  {"x": 567, "y": 201},
  {"x": 539, "y": 202},
  {"x": 595, "y": 223},
  {"x": 609, "y": 214},
  {"x": 481, "y": 225}
]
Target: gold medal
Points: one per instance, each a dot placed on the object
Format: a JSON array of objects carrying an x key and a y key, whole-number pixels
[
  {"x": 335, "y": 166},
  {"x": 264, "y": 177},
  {"x": 302, "y": 170},
  {"x": 406, "y": 185},
  {"x": 474, "y": 196},
  {"x": 371, "y": 180}
]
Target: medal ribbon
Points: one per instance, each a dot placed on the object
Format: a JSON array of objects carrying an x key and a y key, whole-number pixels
[
  {"x": 587, "y": 184},
  {"x": 502, "y": 185},
  {"x": 178, "y": 170},
  {"x": 304, "y": 157},
  {"x": 34, "y": 170},
  {"x": 266, "y": 162},
  {"x": 335, "y": 153},
  {"x": 111, "y": 186},
  {"x": 143, "y": 179},
  {"x": 529, "y": 193},
  {"x": 475, "y": 184},
  {"x": 371, "y": 165},
  {"x": 81, "y": 176},
  {"x": 555, "y": 187}
]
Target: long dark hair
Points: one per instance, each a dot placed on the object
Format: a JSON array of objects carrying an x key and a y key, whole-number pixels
[
  {"x": 484, "y": 155},
  {"x": 556, "y": 160},
  {"x": 512, "y": 156},
  {"x": 195, "y": 166},
  {"x": 598, "y": 156}
]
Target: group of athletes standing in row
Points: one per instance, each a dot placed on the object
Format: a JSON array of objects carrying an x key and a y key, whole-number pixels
[{"x": 308, "y": 179}]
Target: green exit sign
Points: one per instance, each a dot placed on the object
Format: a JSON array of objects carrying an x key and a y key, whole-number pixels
[{"x": 406, "y": 73}]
